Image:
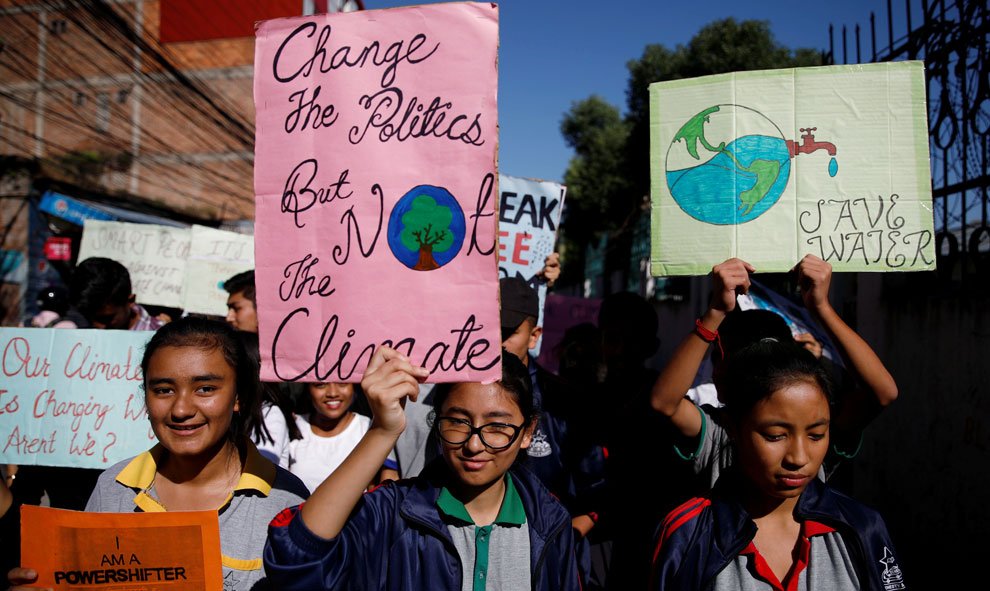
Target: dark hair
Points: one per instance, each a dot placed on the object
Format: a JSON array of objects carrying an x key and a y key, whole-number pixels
[
  {"x": 213, "y": 335},
  {"x": 267, "y": 392},
  {"x": 96, "y": 282},
  {"x": 742, "y": 328},
  {"x": 580, "y": 352},
  {"x": 515, "y": 380},
  {"x": 242, "y": 283},
  {"x": 764, "y": 367}
]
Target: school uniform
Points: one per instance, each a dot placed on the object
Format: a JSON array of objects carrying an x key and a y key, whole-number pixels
[
  {"x": 410, "y": 535},
  {"x": 562, "y": 453},
  {"x": 262, "y": 491},
  {"x": 707, "y": 544}
]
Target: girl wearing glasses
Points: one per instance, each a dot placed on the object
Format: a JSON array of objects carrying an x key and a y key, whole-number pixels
[{"x": 470, "y": 521}]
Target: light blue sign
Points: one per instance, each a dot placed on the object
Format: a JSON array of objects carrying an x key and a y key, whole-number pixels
[
  {"x": 72, "y": 397},
  {"x": 71, "y": 210},
  {"x": 529, "y": 212}
]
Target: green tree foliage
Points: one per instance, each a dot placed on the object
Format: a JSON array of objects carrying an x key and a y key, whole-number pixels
[
  {"x": 720, "y": 47},
  {"x": 609, "y": 174},
  {"x": 425, "y": 227},
  {"x": 598, "y": 135}
]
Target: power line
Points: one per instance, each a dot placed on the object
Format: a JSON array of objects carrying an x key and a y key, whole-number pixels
[
  {"x": 152, "y": 138},
  {"x": 178, "y": 101},
  {"x": 69, "y": 170},
  {"x": 104, "y": 12},
  {"x": 62, "y": 119}
]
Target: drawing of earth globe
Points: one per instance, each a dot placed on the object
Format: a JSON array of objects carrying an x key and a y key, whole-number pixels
[
  {"x": 426, "y": 228},
  {"x": 728, "y": 164}
]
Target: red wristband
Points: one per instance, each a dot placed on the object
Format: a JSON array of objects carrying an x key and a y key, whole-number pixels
[{"x": 709, "y": 336}]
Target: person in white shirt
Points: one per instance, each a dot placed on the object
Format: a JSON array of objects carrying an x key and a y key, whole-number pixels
[{"x": 329, "y": 433}]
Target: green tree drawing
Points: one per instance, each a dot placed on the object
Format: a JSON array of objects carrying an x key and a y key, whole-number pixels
[{"x": 425, "y": 227}]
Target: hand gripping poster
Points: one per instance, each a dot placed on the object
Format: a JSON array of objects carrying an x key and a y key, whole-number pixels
[
  {"x": 772, "y": 165},
  {"x": 375, "y": 180}
]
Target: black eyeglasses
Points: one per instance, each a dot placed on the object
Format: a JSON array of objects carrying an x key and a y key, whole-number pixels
[{"x": 494, "y": 436}]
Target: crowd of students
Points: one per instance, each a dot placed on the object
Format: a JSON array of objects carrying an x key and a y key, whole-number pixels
[{"x": 605, "y": 475}]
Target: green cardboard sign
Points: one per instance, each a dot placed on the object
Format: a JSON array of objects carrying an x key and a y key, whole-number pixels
[{"x": 772, "y": 165}]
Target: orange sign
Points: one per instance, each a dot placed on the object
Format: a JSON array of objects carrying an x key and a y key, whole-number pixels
[{"x": 176, "y": 551}]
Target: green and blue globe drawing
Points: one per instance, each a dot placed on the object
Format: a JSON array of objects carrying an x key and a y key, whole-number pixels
[
  {"x": 728, "y": 164},
  {"x": 426, "y": 228}
]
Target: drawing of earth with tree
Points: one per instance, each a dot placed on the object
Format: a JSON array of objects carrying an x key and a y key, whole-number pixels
[{"x": 426, "y": 228}]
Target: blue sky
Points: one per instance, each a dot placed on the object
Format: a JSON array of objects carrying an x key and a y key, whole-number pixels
[{"x": 555, "y": 52}]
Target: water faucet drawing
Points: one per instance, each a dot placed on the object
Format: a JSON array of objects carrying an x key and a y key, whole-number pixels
[{"x": 808, "y": 144}]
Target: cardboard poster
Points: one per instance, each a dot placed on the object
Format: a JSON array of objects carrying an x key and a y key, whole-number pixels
[
  {"x": 72, "y": 397},
  {"x": 375, "y": 196},
  {"x": 77, "y": 550},
  {"x": 214, "y": 257},
  {"x": 528, "y": 215},
  {"x": 769, "y": 166},
  {"x": 155, "y": 257},
  {"x": 175, "y": 267}
]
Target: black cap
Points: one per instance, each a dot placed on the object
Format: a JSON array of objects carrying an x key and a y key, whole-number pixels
[{"x": 519, "y": 302}]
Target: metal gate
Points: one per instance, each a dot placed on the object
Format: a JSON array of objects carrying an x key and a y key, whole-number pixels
[{"x": 953, "y": 38}]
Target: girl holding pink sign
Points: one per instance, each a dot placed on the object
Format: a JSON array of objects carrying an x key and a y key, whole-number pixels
[{"x": 470, "y": 520}]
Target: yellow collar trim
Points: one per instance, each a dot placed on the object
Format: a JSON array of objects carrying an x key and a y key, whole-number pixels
[
  {"x": 240, "y": 563},
  {"x": 147, "y": 503},
  {"x": 257, "y": 474},
  {"x": 140, "y": 472}
]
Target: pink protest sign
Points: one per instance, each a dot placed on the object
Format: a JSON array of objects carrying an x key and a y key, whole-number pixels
[{"x": 375, "y": 165}]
